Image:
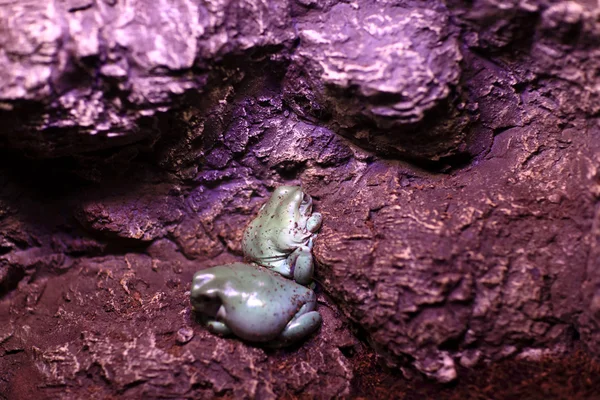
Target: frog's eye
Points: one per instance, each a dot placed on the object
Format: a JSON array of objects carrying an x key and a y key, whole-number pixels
[
  {"x": 202, "y": 299},
  {"x": 205, "y": 304}
]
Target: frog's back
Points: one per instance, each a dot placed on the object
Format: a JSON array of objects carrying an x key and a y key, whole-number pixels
[{"x": 261, "y": 237}]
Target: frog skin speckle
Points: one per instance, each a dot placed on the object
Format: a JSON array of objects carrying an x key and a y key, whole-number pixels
[
  {"x": 281, "y": 236},
  {"x": 254, "y": 303}
]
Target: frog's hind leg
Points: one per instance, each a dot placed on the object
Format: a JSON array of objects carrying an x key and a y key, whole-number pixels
[
  {"x": 303, "y": 324},
  {"x": 314, "y": 222},
  {"x": 303, "y": 266}
]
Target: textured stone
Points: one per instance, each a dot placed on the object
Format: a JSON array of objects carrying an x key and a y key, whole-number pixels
[
  {"x": 85, "y": 75},
  {"x": 431, "y": 270},
  {"x": 144, "y": 213},
  {"x": 143, "y": 355},
  {"x": 484, "y": 249},
  {"x": 386, "y": 63}
]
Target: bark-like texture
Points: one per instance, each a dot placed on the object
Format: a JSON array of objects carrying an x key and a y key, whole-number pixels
[{"x": 453, "y": 150}]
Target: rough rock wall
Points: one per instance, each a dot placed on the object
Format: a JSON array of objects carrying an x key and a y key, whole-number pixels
[{"x": 452, "y": 148}]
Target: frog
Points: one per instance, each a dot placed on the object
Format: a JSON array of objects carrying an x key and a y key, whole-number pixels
[
  {"x": 254, "y": 303},
  {"x": 281, "y": 236}
]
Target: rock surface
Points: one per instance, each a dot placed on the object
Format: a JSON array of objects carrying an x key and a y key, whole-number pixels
[
  {"x": 381, "y": 72},
  {"x": 86, "y": 75},
  {"x": 452, "y": 148}
]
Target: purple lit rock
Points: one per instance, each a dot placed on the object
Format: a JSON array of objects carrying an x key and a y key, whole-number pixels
[
  {"x": 85, "y": 75},
  {"x": 395, "y": 66},
  {"x": 451, "y": 148}
]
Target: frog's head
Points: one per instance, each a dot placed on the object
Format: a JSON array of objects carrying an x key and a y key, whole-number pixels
[
  {"x": 280, "y": 226},
  {"x": 296, "y": 203},
  {"x": 305, "y": 204},
  {"x": 204, "y": 294}
]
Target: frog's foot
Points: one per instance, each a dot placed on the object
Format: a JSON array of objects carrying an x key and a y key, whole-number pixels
[
  {"x": 314, "y": 222},
  {"x": 300, "y": 327},
  {"x": 218, "y": 327},
  {"x": 305, "y": 322},
  {"x": 303, "y": 266}
]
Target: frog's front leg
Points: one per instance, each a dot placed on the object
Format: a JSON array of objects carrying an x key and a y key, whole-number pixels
[
  {"x": 314, "y": 222},
  {"x": 218, "y": 327},
  {"x": 311, "y": 241},
  {"x": 302, "y": 266},
  {"x": 213, "y": 324}
]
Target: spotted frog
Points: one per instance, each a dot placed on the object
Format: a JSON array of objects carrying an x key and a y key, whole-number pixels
[
  {"x": 254, "y": 303},
  {"x": 282, "y": 234}
]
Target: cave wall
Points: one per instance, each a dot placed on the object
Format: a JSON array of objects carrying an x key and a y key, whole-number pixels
[{"x": 452, "y": 148}]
